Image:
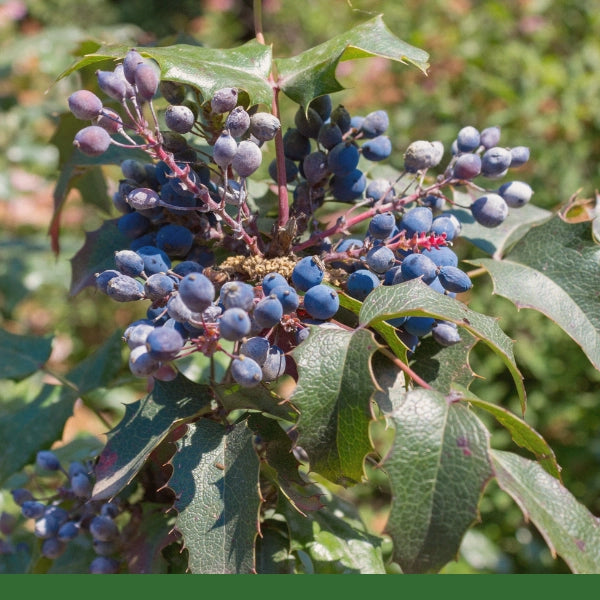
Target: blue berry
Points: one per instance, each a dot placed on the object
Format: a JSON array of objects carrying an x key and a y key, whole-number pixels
[
  {"x": 519, "y": 155},
  {"x": 164, "y": 343},
  {"x": 361, "y": 283},
  {"x": 224, "y": 100},
  {"x": 375, "y": 124},
  {"x": 307, "y": 273},
  {"x": 382, "y": 225},
  {"x": 445, "y": 333},
  {"x": 197, "y": 291},
  {"x": 237, "y": 294},
  {"x": 234, "y": 324},
  {"x": 343, "y": 159},
  {"x": 104, "y": 565},
  {"x": 155, "y": 259},
  {"x": 247, "y": 158},
  {"x": 224, "y": 149},
  {"x": 295, "y": 145},
  {"x": 103, "y": 528},
  {"x": 419, "y": 326},
  {"x": 288, "y": 297},
  {"x": 125, "y": 289},
  {"x": 467, "y": 166},
  {"x": 133, "y": 225},
  {"x": 330, "y": 135},
  {"x": 468, "y": 139},
  {"x": 454, "y": 280},
  {"x": 21, "y": 495},
  {"x": 379, "y": 189},
  {"x": 441, "y": 256},
  {"x": 129, "y": 263},
  {"x": 380, "y": 259},
  {"x": 158, "y": 286},
  {"x": 349, "y": 187},
  {"x": 32, "y": 509},
  {"x": 246, "y": 371},
  {"x": 308, "y": 123},
  {"x": 47, "y": 460},
  {"x": 256, "y": 348},
  {"x": 490, "y": 137},
  {"x": 321, "y": 302},
  {"x": 448, "y": 224},
  {"x": 141, "y": 364},
  {"x": 175, "y": 240},
  {"x": 271, "y": 281},
  {"x": 416, "y": 220},
  {"x": 418, "y": 265},
  {"x": 68, "y": 531},
  {"x": 81, "y": 485},
  {"x": 495, "y": 161},
  {"x": 377, "y": 149},
  {"x": 490, "y": 210},
  {"x": 53, "y": 547},
  {"x": 274, "y": 365},
  {"x": 268, "y": 312},
  {"x": 515, "y": 193}
]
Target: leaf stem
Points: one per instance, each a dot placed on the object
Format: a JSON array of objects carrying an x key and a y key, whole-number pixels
[{"x": 404, "y": 367}]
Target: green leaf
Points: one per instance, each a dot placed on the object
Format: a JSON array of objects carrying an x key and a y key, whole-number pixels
[
  {"x": 312, "y": 73},
  {"x": 495, "y": 241},
  {"x": 246, "y": 67},
  {"x": 443, "y": 367},
  {"x": 98, "y": 369},
  {"x": 36, "y": 426},
  {"x": 438, "y": 466},
  {"x": 569, "y": 529},
  {"x": 416, "y": 298},
  {"x": 145, "y": 424},
  {"x": 258, "y": 398},
  {"x": 335, "y": 538},
  {"x": 555, "y": 269},
  {"x": 96, "y": 255},
  {"x": 333, "y": 395},
  {"x": 41, "y": 422},
  {"x": 273, "y": 556},
  {"x": 148, "y": 532},
  {"x": 521, "y": 432},
  {"x": 281, "y": 464},
  {"x": 22, "y": 355},
  {"x": 215, "y": 479}
]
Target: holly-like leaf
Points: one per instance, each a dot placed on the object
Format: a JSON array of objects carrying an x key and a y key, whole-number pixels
[
  {"x": 22, "y": 355},
  {"x": 281, "y": 464},
  {"x": 98, "y": 369},
  {"x": 443, "y": 367},
  {"x": 39, "y": 423},
  {"x": 555, "y": 269},
  {"x": 496, "y": 241},
  {"x": 259, "y": 398},
  {"x": 335, "y": 538},
  {"x": 312, "y": 73},
  {"x": 333, "y": 395},
  {"x": 438, "y": 466},
  {"x": 273, "y": 556},
  {"x": 215, "y": 479},
  {"x": 148, "y": 532},
  {"x": 246, "y": 67},
  {"x": 34, "y": 427},
  {"x": 569, "y": 529},
  {"x": 416, "y": 298},
  {"x": 521, "y": 432},
  {"x": 96, "y": 255},
  {"x": 145, "y": 424}
]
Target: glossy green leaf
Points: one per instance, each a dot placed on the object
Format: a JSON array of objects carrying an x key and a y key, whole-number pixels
[
  {"x": 555, "y": 269},
  {"x": 333, "y": 395},
  {"x": 496, "y": 241},
  {"x": 415, "y": 298},
  {"x": 246, "y": 67},
  {"x": 443, "y": 367},
  {"x": 273, "y": 556},
  {"x": 22, "y": 355},
  {"x": 149, "y": 531},
  {"x": 215, "y": 479},
  {"x": 145, "y": 424},
  {"x": 569, "y": 529},
  {"x": 39, "y": 423},
  {"x": 335, "y": 539},
  {"x": 438, "y": 466},
  {"x": 235, "y": 397},
  {"x": 96, "y": 255},
  {"x": 34, "y": 427},
  {"x": 281, "y": 466},
  {"x": 312, "y": 73},
  {"x": 521, "y": 432}
]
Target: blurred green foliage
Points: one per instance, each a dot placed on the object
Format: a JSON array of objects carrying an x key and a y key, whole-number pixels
[{"x": 528, "y": 66}]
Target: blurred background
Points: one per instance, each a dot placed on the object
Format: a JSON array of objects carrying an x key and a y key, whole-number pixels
[{"x": 531, "y": 67}]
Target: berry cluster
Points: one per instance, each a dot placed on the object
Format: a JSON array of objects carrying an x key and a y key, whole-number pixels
[
  {"x": 184, "y": 203},
  {"x": 70, "y": 512}
]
